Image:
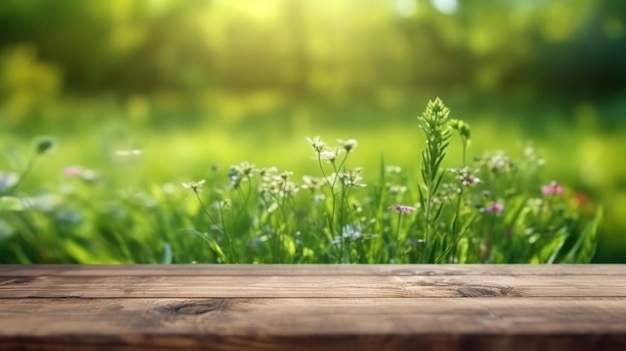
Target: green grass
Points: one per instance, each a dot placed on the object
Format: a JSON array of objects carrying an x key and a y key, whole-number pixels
[{"x": 138, "y": 211}]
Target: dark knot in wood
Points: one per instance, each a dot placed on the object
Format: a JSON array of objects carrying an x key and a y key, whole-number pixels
[
  {"x": 200, "y": 307},
  {"x": 16, "y": 281},
  {"x": 486, "y": 291}
]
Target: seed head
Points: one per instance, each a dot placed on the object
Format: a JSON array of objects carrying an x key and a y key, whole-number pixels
[{"x": 461, "y": 127}]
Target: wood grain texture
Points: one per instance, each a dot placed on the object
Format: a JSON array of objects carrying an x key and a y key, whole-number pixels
[
  {"x": 442, "y": 307},
  {"x": 318, "y": 286}
]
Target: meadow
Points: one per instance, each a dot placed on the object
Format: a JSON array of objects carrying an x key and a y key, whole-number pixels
[
  {"x": 255, "y": 190},
  {"x": 185, "y": 131}
]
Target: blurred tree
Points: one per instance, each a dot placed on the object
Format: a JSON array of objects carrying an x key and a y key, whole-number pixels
[{"x": 329, "y": 49}]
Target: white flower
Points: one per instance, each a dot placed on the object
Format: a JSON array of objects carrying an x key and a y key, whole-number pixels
[{"x": 193, "y": 185}]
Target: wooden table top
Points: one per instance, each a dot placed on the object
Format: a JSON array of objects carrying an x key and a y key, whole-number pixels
[{"x": 313, "y": 307}]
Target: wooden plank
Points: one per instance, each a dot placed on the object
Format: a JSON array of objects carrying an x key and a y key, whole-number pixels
[
  {"x": 281, "y": 307},
  {"x": 310, "y": 270},
  {"x": 314, "y": 324},
  {"x": 208, "y": 286}
]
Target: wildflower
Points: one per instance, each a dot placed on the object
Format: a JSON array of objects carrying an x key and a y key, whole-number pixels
[
  {"x": 413, "y": 243},
  {"x": 531, "y": 155},
  {"x": 43, "y": 202},
  {"x": 499, "y": 162},
  {"x": 352, "y": 233},
  {"x": 193, "y": 186},
  {"x": 89, "y": 175},
  {"x": 278, "y": 185},
  {"x": 285, "y": 175},
  {"x": 402, "y": 209},
  {"x": 552, "y": 189},
  {"x": 465, "y": 177},
  {"x": 495, "y": 207},
  {"x": 317, "y": 198},
  {"x": 348, "y": 145},
  {"x": 313, "y": 184},
  {"x": 396, "y": 189},
  {"x": 349, "y": 233},
  {"x": 73, "y": 171},
  {"x": 267, "y": 171},
  {"x": 168, "y": 189},
  {"x": 318, "y": 144},
  {"x": 329, "y": 156},
  {"x": 238, "y": 173},
  {"x": 352, "y": 178},
  {"x": 129, "y": 153},
  {"x": 470, "y": 180},
  {"x": 393, "y": 169},
  {"x": 245, "y": 168},
  {"x": 289, "y": 189},
  {"x": 8, "y": 180}
]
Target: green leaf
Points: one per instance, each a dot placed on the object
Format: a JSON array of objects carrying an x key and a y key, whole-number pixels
[
  {"x": 590, "y": 241},
  {"x": 83, "y": 255},
  {"x": 289, "y": 245},
  {"x": 167, "y": 253},
  {"x": 212, "y": 243},
  {"x": 550, "y": 251},
  {"x": 462, "y": 248},
  {"x": 10, "y": 203},
  {"x": 585, "y": 247},
  {"x": 78, "y": 252}
]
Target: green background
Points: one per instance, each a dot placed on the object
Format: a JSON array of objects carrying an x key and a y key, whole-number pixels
[{"x": 199, "y": 84}]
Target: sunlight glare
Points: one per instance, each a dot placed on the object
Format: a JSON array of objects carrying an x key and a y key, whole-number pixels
[
  {"x": 447, "y": 7},
  {"x": 406, "y": 8}
]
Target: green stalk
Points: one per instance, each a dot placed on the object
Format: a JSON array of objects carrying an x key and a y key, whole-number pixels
[
  {"x": 29, "y": 168},
  {"x": 434, "y": 122}
]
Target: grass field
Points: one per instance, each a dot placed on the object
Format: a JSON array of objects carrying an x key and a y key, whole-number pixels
[{"x": 148, "y": 225}]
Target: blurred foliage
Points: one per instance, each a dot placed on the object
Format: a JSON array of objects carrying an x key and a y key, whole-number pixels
[
  {"x": 328, "y": 49},
  {"x": 212, "y": 80}
]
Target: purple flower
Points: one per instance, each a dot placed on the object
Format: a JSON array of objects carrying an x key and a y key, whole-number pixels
[
  {"x": 552, "y": 189},
  {"x": 494, "y": 208},
  {"x": 403, "y": 209}
]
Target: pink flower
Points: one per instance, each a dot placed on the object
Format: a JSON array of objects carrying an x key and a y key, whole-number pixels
[
  {"x": 470, "y": 180},
  {"x": 552, "y": 189},
  {"x": 494, "y": 208},
  {"x": 403, "y": 209},
  {"x": 73, "y": 171}
]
